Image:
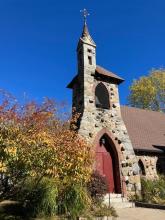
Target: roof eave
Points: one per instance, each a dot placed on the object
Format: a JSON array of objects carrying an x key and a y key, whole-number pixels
[
  {"x": 117, "y": 80},
  {"x": 70, "y": 85},
  {"x": 148, "y": 150}
]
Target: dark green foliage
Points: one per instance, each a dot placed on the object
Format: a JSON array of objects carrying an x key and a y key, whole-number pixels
[
  {"x": 74, "y": 201},
  {"x": 70, "y": 201},
  {"x": 153, "y": 191},
  {"x": 97, "y": 187},
  {"x": 40, "y": 199},
  {"x": 43, "y": 200}
]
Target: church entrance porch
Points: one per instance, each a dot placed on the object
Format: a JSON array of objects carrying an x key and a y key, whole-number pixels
[{"x": 107, "y": 163}]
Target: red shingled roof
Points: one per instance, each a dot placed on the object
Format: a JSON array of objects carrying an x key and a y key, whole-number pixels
[{"x": 146, "y": 128}]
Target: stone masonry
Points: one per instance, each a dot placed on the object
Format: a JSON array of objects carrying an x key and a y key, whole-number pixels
[
  {"x": 149, "y": 163},
  {"x": 93, "y": 120}
]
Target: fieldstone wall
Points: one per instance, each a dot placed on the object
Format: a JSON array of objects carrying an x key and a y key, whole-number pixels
[
  {"x": 93, "y": 120},
  {"x": 149, "y": 163}
]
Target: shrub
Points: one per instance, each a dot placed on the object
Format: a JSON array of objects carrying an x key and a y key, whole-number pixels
[
  {"x": 40, "y": 199},
  {"x": 74, "y": 201},
  {"x": 97, "y": 187},
  {"x": 153, "y": 191},
  {"x": 35, "y": 141}
]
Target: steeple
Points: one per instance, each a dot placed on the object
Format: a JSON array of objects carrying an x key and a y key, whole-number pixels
[
  {"x": 86, "y": 50},
  {"x": 85, "y": 37}
]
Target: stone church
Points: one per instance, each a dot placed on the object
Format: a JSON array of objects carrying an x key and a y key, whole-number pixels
[{"x": 129, "y": 142}]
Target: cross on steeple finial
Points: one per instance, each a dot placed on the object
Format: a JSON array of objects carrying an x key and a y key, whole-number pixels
[
  {"x": 85, "y": 37},
  {"x": 85, "y": 14}
]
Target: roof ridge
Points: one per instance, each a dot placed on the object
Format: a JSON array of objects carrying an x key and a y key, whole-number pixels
[{"x": 141, "y": 109}]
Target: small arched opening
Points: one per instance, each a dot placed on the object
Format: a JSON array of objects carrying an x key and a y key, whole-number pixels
[
  {"x": 141, "y": 168},
  {"x": 102, "y": 96},
  {"x": 160, "y": 166}
]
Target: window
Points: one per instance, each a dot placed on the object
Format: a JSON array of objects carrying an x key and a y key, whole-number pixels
[
  {"x": 89, "y": 51},
  {"x": 102, "y": 96},
  {"x": 141, "y": 168},
  {"x": 160, "y": 166},
  {"x": 90, "y": 60}
]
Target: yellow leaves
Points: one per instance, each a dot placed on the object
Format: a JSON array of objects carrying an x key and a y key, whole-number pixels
[
  {"x": 3, "y": 167},
  {"x": 49, "y": 171},
  {"x": 35, "y": 142},
  {"x": 32, "y": 173},
  {"x": 12, "y": 151},
  {"x": 52, "y": 172},
  {"x": 149, "y": 91}
]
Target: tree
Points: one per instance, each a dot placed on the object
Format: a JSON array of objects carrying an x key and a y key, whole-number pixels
[
  {"x": 36, "y": 143},
  {"x": 149, "y": 91}
]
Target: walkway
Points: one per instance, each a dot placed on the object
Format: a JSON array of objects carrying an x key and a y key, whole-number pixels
[{"x": 140, "y": 214}]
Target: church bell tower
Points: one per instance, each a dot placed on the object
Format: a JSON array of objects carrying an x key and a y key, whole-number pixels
[{"x": 96, "y": 99}]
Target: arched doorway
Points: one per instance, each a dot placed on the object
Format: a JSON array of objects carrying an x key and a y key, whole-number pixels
[{"x": 107, "y": 163}]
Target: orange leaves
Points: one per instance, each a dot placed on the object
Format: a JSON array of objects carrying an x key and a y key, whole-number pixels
[{"x": 35, "y": 143}]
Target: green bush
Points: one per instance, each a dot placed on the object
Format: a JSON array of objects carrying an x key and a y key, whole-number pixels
[
  {"x": 153, "y": 191},
  {"x": 40, "y": 199},
  {"x": 97, "y": 187},
  {"x": 74, "y": 201}
]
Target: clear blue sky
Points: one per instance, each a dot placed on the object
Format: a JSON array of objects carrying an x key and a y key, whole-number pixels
[{"x": 38, "y": 40}]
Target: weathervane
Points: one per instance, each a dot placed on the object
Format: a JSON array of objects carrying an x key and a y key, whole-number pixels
[{"x": 85, "y": 14}]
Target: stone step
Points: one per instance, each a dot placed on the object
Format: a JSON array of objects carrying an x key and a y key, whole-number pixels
[
  {"x": 112, "y": 195},
  {"x": 117, "y": 201},
  {"x": 123, "y": 205}
]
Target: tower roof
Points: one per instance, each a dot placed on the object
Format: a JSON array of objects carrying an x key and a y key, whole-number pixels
[
  {"x": 85, "y": 36},
  {"x": 101, "y": 73}
]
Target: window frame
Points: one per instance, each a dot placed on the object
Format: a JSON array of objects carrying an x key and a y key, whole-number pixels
[{"x": 105, "y": 106}]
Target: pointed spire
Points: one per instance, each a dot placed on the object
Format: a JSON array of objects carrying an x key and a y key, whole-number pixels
[
  {"x": 85, "y": 37},
  {"x": 85, "y": 32}
]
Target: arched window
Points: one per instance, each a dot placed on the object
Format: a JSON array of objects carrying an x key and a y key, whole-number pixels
[
  {"x": 102, "y": 96},
  {"x": 141, "y": 168},
  {"x": 160, "y": 166}
]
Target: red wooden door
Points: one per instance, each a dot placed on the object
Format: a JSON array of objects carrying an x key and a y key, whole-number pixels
[
  {"x": 108, "y": 170},
  {"x": 104, "y": 165}
]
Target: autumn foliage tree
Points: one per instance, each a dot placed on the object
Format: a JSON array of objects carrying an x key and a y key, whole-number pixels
[
  {"x": 35, "y": 142},
  {"x": 149, "y": 91}
]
